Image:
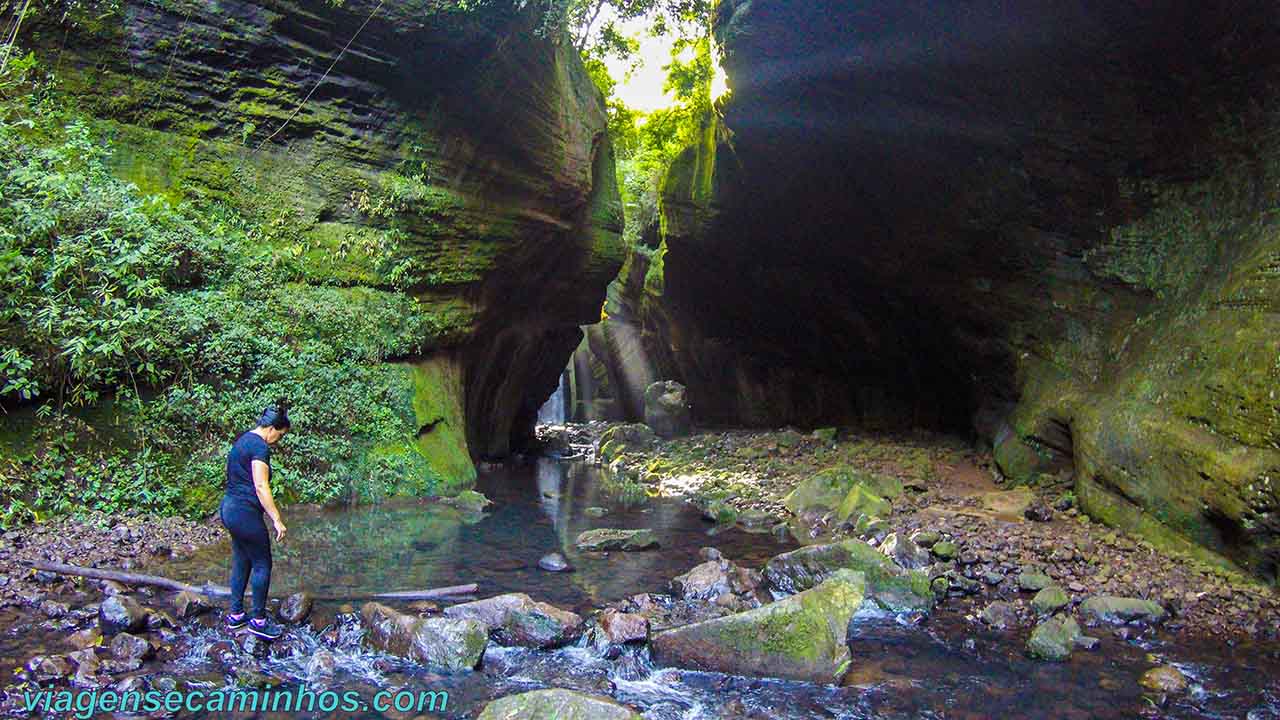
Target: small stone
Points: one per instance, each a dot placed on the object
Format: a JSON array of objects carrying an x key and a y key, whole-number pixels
[
  {"x": 554, "y": 562},
  {"x": 125, "y": 646},
  {"x": 1000, "y": 615},
  {"x": 1050, "y": 600},
  {"x": 944, "y": 549},
  {"x": 89, "y": 637},
  {"x": 1165, "y": 679},
  {"x": 1033, "y": 582},
  {"x": 119, "y": 613},
  {"x": 926, "y": 538},
  {"x": 188, "y": 605}
]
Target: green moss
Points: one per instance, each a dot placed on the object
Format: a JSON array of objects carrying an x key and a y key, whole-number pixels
[{"x": 442, "y": 440}]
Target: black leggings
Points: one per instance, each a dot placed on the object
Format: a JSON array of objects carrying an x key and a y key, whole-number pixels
[{"x": 250, "y": 554}]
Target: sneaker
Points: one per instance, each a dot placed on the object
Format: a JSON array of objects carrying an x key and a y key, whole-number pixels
[
  {"x": 265, "y": 629},
  {"x": 235, "y": 621}
]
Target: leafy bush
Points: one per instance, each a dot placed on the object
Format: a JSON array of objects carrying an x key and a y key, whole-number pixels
[{"x": 139, "y": 335}]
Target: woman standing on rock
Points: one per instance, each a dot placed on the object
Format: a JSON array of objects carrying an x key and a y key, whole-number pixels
[{"x": 248, "y": 496}]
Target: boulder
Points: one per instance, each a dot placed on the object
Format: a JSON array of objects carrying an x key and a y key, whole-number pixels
[
  {"x": 832, "y": 489},
  {"x": 624, "y": 438},
  {"x": 666, "y": 409},
  {"x": 1120, "y": 610},
  {"x": 89, "y": 637},
  {"x": 517, "y": 619},
  {"x": 48, "y": 668},
  {"x": 188, "y": 605},
  {"x": 468, "y": 502},
  {"x": 721, "y": 582},
  {"x": 296, "y": 608},
  {"x": 615, "y": 539},
  {"x": 801, "y": 637},
  {"x": 1050, "y": 600},
  {"x": 1054, "y": 639},
  {"x": 556, "y": 704},
  {"x": 441, "y": 643},
  {"x": 620, "y": 627},
  {"x": 825, "y": 435},
  {"x": 119, "y": 613},
  {"x": 891, "y": 585},
  {"x": 944, "y": 549}
]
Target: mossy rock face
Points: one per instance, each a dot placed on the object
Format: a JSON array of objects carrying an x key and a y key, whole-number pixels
[
  {"x": 487, "y": 192},
  {"x": 556, "y": 704},
  {"x": 801, "y": 637}
]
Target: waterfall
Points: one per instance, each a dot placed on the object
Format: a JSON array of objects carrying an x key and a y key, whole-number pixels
[{"x": 552, "y": 411}]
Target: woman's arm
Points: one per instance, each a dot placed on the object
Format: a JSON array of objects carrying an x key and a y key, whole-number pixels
[{"x": 262, "y": 485}]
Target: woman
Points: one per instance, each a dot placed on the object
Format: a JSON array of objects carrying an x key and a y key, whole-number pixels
[{"x": 248, "y": 495}]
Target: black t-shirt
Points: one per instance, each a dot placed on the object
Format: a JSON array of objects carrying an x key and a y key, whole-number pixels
[{"x": 247, "y": 448}]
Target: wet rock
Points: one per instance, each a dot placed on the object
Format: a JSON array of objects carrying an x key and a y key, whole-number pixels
[
  {"x": 1120, "y": 610},
  {"x": 801, "y": 637},
  {"x": 119, "y": 613},
  {"x": 89, "y": 637},
  {"x": 1000, "y": 615},
  {"x": 620, "y": 628},
  {"x": 721, "y": 582},
  {"x": 615, "y": 539},
  {"x": 125, "y": 646},
  {"x": 517, "y": 619},
  {"x": 719, "y": 512},
  {"x": 53, "y": 609},
  {"x": 86, "y": 668},
  {"x": 223, "y": 653},
  {"x": 666, "y": 409},
  {"x": 1054, "y": 639},
  {"x": 1033, "y": 582},
  {"x": 905, "y": 552},
  {"x": 158, "y": 619},
  {"x": 621, "y": 439},
  {"x": 595, "y": 512},
  {"x": 554, "y": 562},
  {"x": 1164, "y": 679},
  {"x": 251, "y": 677},
  {"x": 886, "y": 582},
  {"x": 48, "y": 668},
  {"x": 1050, "y": 600},
  {"x": 296, "y": 608},
  {"x": 556, "y": 703},
  {"x": 441, "y": 643},
  {"x": 322, "y": 664}
]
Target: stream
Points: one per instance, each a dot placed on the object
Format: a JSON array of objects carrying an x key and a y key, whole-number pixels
[{"x": 950, "y": 667}]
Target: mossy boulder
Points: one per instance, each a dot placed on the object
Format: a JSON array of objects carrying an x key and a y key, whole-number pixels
[
  {"x": 1054, "y": 639},
  {"x": 556, "y": 704},
  {"x": 895, "y": 587},
  {"x": 615, "y": 539},
  {"x": 801, "y": 637},
  {"x": 666, "y": 409},
  {"x": 845, "y": 490},
  {"x": 1050, "y": 600},
  {"x": 1120, "y": 610}
]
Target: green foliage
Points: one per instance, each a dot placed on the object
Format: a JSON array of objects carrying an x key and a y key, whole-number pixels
[{"x": 184, "y": 320}]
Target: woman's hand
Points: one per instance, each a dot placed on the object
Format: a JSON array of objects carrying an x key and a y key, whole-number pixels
[{"x": 280, "y": 529}]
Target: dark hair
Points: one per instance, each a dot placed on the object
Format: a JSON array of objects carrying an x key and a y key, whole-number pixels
[{"x": 276, "y": 415}]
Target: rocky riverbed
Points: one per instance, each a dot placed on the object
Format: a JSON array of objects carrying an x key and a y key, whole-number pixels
[{"x": 934, "y": 486}]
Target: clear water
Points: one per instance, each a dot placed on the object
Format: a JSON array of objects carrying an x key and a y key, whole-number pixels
[{"x": 949, "y": 668}]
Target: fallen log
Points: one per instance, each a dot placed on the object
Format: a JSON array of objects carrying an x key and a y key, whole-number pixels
[{"x": 212, "y": 590}]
